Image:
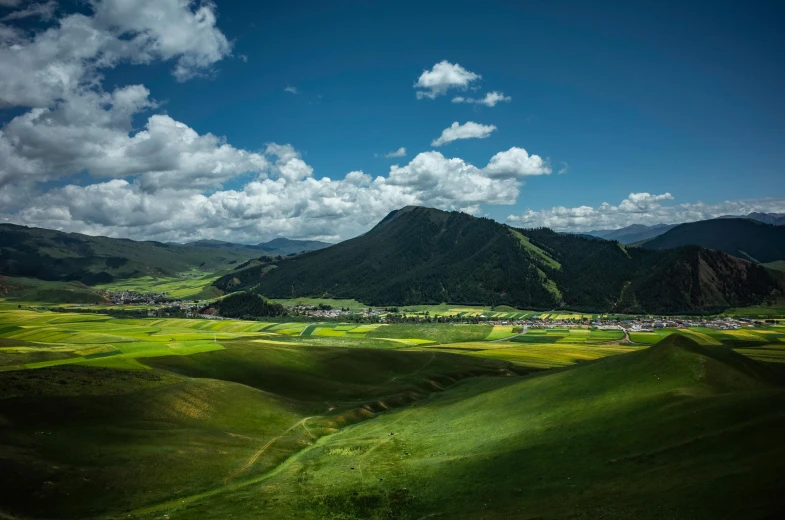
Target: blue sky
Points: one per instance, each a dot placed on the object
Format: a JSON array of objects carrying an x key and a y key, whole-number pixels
[{"x": 633, "y": 97}]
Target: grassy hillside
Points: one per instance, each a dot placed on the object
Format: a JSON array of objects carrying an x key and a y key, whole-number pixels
[
  {"x": 421, "y": 256},
  {"x": 743, "y": 238},
  {"x": 57, "y": 256},
  {"x": 31, "y": 289},
  {"x": 149, "y": 418},
  {"x": 677, "y": 431},
  {"x": 79, "y": 441}
]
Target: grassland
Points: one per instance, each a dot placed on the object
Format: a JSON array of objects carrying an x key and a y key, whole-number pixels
[
  {"x": 677, "y": 431},
  {"x": 179, "y": 418},
  {"x": 193, "y": 284},
  {"x": 32, "y": 289}
]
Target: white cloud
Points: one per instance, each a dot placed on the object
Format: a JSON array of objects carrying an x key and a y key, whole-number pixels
[
  {"x": 166, "y": 29},
  {"x": 443, "y": 77},
  {"x": 67, "y": 58},
  {"x": 158, "y": 178},
  {"x": 400, "y": 152},
  {"x": 44, "y": 10},
  {"x": 640, "y": 208},
  {"x": 76, "y": 126},
  {"x": 92, "y": 132},
  {"x": 291, "y": 90},
  {"x": 468, "y": 130},
  {"x": 516, "y": 163},
  {"x": 286, "y": 200},
  {"x": 491, "y": 99}
]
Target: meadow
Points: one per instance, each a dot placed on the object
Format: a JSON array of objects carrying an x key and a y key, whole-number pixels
[
  {"x": 194, "y": 418},
  {"x": 193, "y": 284}
]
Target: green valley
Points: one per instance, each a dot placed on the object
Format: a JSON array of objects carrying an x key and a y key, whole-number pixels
[{"x": 198, "y": 418}]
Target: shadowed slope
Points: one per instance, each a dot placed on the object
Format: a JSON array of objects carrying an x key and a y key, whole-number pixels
[
  {"x": 677, "y": 431},
  {"x": 740, "y": 237}
]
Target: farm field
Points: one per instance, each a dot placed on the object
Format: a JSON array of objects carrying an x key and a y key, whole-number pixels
[
  {"x": 35, "y": 339},
  {"x": 193, "y": 284},
  {"x": 196, "y": 418}
]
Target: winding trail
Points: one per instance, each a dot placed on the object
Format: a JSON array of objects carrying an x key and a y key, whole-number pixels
[
  {"x": 272, "y": 441},
  {"x": 433, "y": 356}
]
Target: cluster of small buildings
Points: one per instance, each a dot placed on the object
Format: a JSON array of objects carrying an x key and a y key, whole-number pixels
[
  {"x": 133, "y": 297},
  {"x": 325, "y": 312},
  {"x": 634, "y": 324}
]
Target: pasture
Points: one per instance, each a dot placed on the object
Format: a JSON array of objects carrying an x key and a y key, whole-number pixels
[
  {"x": 604, "y": 440},
  {"x": 36, "y": 339},
  {"x": 193, "y": 284},
  {"x": 196, "y": 418}
]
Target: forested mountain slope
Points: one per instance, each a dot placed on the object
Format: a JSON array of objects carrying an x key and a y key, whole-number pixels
[
  {"x": 740, "y": 237},
  {"x": 54, "y": 255},
  {"x": 420, "y": 255}
]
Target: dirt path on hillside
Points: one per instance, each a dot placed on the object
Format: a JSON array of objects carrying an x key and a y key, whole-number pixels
[
  {"x": 396, "y": 378},
  {"x": 272, "y": 441}
]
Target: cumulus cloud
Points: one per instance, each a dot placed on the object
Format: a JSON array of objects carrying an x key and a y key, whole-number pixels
[
  {"x": 443, "y": 77},
  {"x": 491, "y": 99},
  {"x": 157, "y": 178},
  {"x": 291, "y": 90},
  {"x": 287, "y": 199},
  {"x": 400, "y": 152},
  {"x": 640, "y": 208},
  {"x": 92, "y": 132},
  {"x": 516, "y": 163},
  {"x": 468, "y": 130},
  {"x": 42, "y": 68},
  {"x": 75, "y": 126}
]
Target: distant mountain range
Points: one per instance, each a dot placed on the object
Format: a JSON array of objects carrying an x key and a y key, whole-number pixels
[
  {"x": 741, "y": 237},
  {"x": 631, "y": 234},
  {"x": 639, "y": 232},
  {"x": 420, "y": 256},
  {"x": 277, "y": 246},
  {"x": 776, "y": 219},
  {"x": 57, "y": 256}
]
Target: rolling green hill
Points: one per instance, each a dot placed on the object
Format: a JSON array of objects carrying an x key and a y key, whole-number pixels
[
  {"x": 426, "y": 256},
  {"x": 32, "y": 289},
  {"x": 743, "y": 238},
  {"x": 83, "y": 442},
  {"x": 676, "y": 431},
  {"x": 57, "y": 256}
]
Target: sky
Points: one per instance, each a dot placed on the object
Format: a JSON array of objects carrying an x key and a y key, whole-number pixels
[{"x": 180, "y": 120}]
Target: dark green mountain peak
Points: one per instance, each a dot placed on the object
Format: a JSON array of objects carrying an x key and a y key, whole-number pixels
[{"x": 418, "y": 255}]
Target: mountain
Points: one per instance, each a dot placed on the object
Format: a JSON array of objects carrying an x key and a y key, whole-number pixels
[
  {"x": 776, "y": 219},
  {"x": 57, "y": 256},
  {"x": 421, "y": 256},
  {"x": 740, "y": 237},
  {"x": 632, "y": 233},
  {"x": 277, "y": 246},
  {"x": 288, "y": 246}
]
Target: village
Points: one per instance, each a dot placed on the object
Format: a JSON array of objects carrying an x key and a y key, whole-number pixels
[{"x": 166, "y": 305}]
